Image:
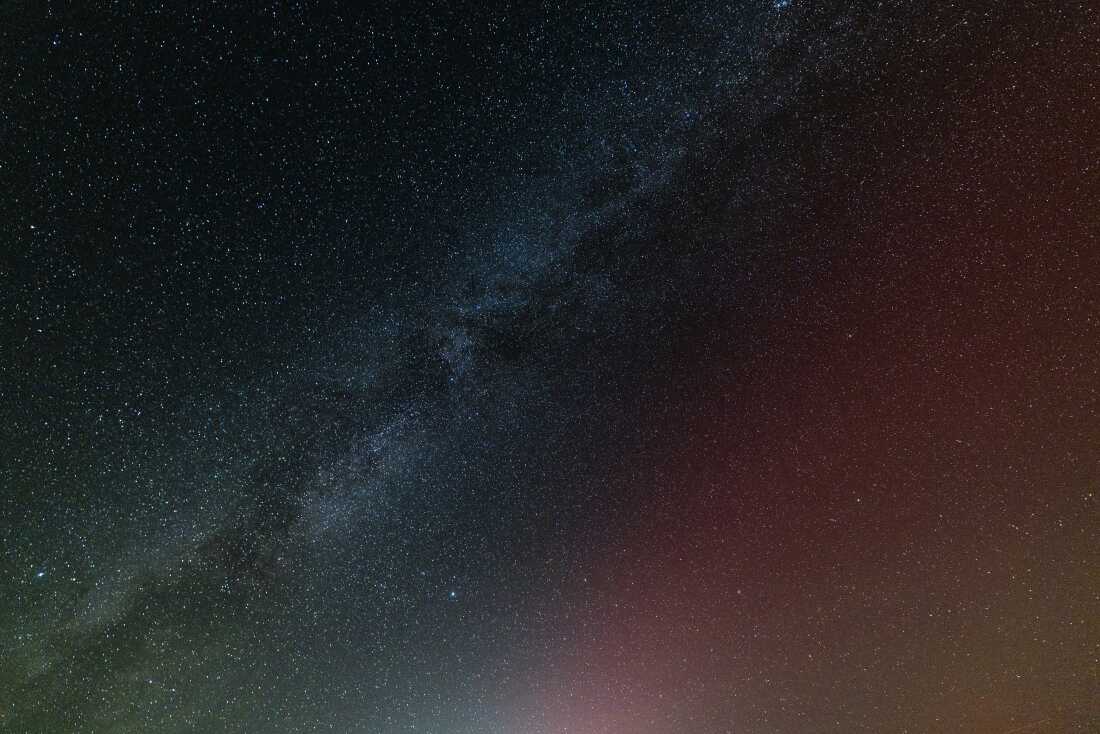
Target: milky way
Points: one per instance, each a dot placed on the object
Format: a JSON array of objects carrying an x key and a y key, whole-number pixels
[{"x": 611, "y": 369}]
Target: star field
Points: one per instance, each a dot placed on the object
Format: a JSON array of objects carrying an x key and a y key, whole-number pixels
[{"x": 609, "y": 369}]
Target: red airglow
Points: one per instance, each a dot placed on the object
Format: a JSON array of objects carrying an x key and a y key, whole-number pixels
[{"x": 874, "y": 507}]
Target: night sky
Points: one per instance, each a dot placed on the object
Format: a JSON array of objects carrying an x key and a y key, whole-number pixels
[{"x": 632, "y": 368}]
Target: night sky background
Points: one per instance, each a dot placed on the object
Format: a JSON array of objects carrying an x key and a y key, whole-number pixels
[{"x": 633, "y": 368}]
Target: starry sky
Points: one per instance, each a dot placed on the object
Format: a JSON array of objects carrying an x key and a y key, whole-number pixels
[{"x": 532, "y": 368}]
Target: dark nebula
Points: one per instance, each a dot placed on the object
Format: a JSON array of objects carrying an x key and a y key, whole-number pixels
[{"x": 699, "y": 368}]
